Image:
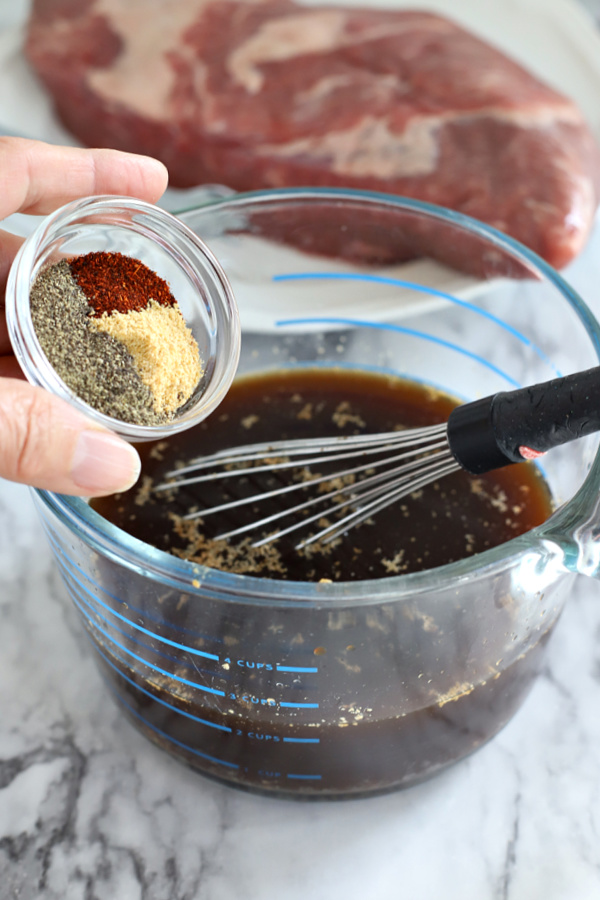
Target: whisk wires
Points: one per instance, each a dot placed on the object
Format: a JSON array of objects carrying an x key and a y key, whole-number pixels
[{"x": 388, "y": 467}]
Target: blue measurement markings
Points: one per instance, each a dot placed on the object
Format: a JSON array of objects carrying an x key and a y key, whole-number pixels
[
  {"x": 78, "y": 599},
  {"x": 176, "y": 709},
  {"x": 168, "y": 737},
  {"x": 418, "y": 288},
  {"x": 60, "y": 551},
  {"x": 201, "y": 721},
  {"x": 201, "y": 687},
  {"x": 172, "y": 658},
  {"x": 156, "y": 699},
  {"x": 296, "y": 668},
  {"x": 83, "y": 591},
  {"x": 74, "y": 592},
  {"x": 304, "y": 777},
  {"x": 68, "y": 574},
  {"x": 289, "y": 705}
]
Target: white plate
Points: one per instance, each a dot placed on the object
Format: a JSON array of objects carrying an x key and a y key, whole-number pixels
[
  {"x": 311, "y": 292},
  {"x": 555, "y": 39}
]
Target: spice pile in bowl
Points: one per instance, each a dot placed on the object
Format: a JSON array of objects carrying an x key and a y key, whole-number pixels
[{"x": 114, "y": 333}]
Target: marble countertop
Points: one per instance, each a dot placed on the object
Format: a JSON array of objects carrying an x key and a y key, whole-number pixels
[{"x": 89, "y": 810}]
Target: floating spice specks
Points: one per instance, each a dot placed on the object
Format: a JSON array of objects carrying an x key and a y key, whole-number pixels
[{"x": 114, "y": 333}]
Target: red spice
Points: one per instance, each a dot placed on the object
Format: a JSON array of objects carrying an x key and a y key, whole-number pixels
[{"x": 113, "y": 282}]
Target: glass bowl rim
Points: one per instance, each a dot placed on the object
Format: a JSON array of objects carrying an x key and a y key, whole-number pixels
[
  {"x": 110, "y": 541},
  {"x": 19, "y": 322}
]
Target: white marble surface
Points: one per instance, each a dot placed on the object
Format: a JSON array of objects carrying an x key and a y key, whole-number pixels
[{"x": 89, "y": 810}]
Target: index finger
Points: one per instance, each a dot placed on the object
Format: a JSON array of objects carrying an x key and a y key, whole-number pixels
[{"x": 36, "y": 177}]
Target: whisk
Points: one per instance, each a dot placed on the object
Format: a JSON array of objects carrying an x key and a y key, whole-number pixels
[{"x": 380, "y": 469}]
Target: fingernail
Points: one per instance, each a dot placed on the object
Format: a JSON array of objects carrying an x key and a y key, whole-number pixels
[{"x": 103, "y": 463}]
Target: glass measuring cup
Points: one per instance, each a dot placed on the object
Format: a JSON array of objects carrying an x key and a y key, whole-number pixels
[
  {"x": 334, "y": 690},
  {"x": 165, "y": 245}
]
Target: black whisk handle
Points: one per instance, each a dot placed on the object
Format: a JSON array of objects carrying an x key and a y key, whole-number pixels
[{"x": 511, "y": 426}]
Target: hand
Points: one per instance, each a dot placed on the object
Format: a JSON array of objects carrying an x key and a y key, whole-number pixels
[{"x": 44, "y": 442}]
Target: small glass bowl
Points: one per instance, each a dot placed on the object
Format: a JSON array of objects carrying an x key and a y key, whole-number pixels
[{"x": 173, "y": 251}]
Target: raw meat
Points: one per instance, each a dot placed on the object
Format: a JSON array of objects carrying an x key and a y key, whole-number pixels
[{"x": 267, "y": 93}]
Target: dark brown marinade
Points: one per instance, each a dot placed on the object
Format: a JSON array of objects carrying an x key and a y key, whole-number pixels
[{"x": 456, "y": 518}]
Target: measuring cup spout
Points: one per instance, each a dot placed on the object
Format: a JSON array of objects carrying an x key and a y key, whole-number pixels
[
  {"x": 576, "y": 532},
  {"x": 586, "y": 540}
]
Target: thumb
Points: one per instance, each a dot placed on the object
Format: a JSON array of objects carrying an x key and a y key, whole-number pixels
[{"x": 47, "y": 444}]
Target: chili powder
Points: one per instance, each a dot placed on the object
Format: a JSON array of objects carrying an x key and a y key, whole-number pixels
[{"x": 113, "y": 282}]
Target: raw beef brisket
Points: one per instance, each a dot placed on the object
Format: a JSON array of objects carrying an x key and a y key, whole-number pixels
[{"x": 267, "y": 93}]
